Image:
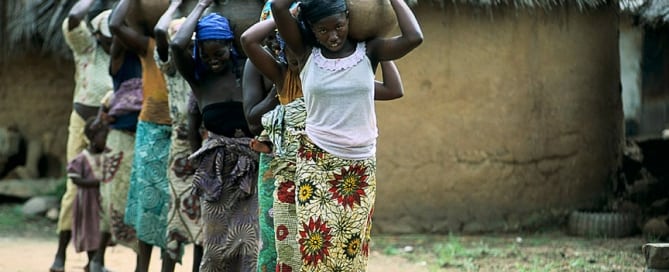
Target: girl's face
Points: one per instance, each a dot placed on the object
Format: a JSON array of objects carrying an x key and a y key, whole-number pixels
[
  {"x": 100, "y": 138},
  {"x": 331, "y": 32},
  {"x": 215, "y": 54}
]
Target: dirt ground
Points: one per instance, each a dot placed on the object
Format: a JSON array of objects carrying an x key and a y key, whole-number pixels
[
  {"x": 36, "y": 255},
  {"x": 417, "y": 253}
]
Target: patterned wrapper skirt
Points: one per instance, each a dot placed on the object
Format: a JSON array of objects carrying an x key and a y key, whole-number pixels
[
  {"x": 114, "y": 188},
  {"x": 148, "y": 196},
  {"x": 266, "y": 250},
  {"x": 283, "y": 125},
  {"x": 226, "y": 180},
  {"x": 184, "y": 223},
  {"x": 76, "y": 142},
  {"x": 335, "y": 200}
]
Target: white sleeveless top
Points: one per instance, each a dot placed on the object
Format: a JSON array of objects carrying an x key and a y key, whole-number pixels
[{"x": 339, "y": 97}]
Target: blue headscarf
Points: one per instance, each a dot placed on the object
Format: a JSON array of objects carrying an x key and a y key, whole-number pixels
[{"x": 212, "y": 27}]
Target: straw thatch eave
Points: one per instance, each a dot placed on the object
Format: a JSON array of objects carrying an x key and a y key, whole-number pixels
[
  {"x": 34, "y": 25},
  {"x": 655, "y": 12},
  {"x": 525, "y": 4}
]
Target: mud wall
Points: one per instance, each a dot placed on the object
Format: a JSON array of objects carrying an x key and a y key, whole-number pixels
[
  {"x": 510, "y": 118},
  {"x": 36, "y": 97}
]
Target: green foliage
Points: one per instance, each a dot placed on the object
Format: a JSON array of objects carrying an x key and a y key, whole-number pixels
[
  {"x": 545, "y": 252},
  {"x": 14, "y": 224}
]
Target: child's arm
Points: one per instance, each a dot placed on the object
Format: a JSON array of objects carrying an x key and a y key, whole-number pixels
[{"x": 86, "y": 183}]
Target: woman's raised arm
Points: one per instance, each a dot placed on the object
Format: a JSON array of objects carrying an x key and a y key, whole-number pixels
[
  {"x": 288, "y": 26},
  {"x": 179, "y": 45},
  {"x": 162, "y": 39},
  {"x": 131, "y": 39},
  {"x": 411, "y": 36}
]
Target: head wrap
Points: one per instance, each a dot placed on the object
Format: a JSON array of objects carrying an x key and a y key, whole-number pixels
[
  {"x": 214, "y": 27},
  {"x": 266, "y": 12},
  {"x": 315, "y": 10},
  {"x": 101, "y": 23}
]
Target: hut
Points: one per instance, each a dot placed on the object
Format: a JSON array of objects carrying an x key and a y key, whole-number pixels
[
  {"x": 512, "y": 114},
  {"x": 512, "y": 117},
  {"x": 644, "y": 73}
]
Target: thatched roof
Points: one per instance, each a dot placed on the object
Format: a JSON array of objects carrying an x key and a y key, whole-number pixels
[
  {"x": 654, "y": 11},
  {"x": 545, "y": 4},
  {"x": 35, "y": 25}
]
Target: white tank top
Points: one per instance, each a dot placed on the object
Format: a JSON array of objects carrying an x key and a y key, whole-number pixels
[{"x": 339, "y": 97}]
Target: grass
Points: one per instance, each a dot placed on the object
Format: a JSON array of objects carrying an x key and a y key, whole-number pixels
[
  {"x": 537, "y": 252},
  {"x": 550, "y": 251},
  {"x": 14, "y": 224}
]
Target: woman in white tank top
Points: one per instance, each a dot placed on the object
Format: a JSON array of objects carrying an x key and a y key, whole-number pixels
[{"x": 336, "y": 164}]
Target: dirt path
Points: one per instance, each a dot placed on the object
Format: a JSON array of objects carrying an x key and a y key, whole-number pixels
[{"x": 36, "y": 255}]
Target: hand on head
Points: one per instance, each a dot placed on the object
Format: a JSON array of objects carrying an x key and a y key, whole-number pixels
[{"x": 205, "y": 2}]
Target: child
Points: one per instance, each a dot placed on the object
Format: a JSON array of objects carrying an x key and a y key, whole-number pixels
[{"x": 86, "y": 172}]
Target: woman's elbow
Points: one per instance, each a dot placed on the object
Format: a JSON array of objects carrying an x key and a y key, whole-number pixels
[
  {"x": 416, "y": 40},
  {"x": 160, "y": 32},
  {"x": 115, "y": 27},
  {"x": 175, "y": 46}
]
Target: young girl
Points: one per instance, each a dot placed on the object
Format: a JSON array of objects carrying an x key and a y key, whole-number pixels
[
  {"x": 86, "y": 172},
  {"x": 336, "y": 160}
]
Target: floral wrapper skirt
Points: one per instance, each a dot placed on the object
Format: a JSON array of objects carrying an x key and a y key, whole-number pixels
[{"x": 335, "y": 200}]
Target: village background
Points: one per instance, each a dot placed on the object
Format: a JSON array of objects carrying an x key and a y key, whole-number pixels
[{"x": 530, "y": 136}]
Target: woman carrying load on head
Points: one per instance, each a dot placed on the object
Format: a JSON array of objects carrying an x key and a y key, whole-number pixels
[
  {"x": 282, "y": 126},
  {"x": 184, "y": 223},
  {"x": 148, "y": 195},
  {"x": 226, "y": 166},
  {"x": 336, "y": 164}
]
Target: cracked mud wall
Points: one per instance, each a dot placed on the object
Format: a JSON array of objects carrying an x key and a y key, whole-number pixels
[
  {"x": 36, "y": 96},
  {"x": 510, "y": 118}
]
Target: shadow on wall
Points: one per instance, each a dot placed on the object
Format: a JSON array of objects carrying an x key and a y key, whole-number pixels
[{"x": 21, "y": 158}]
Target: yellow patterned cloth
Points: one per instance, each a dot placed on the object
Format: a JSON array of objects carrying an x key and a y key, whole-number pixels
[
  {"x": 114, "y": 187},
  {"x": 283, "y": 125},
  {"x": 335, "y": 202},
  {"x": 76, "y": 142},
  {"x": 91, "y": 62}
]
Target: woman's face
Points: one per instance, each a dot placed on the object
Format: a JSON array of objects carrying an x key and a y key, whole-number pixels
[
  {"x": 331, "y": 32},
  {"x": 215, "y": 54}
]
